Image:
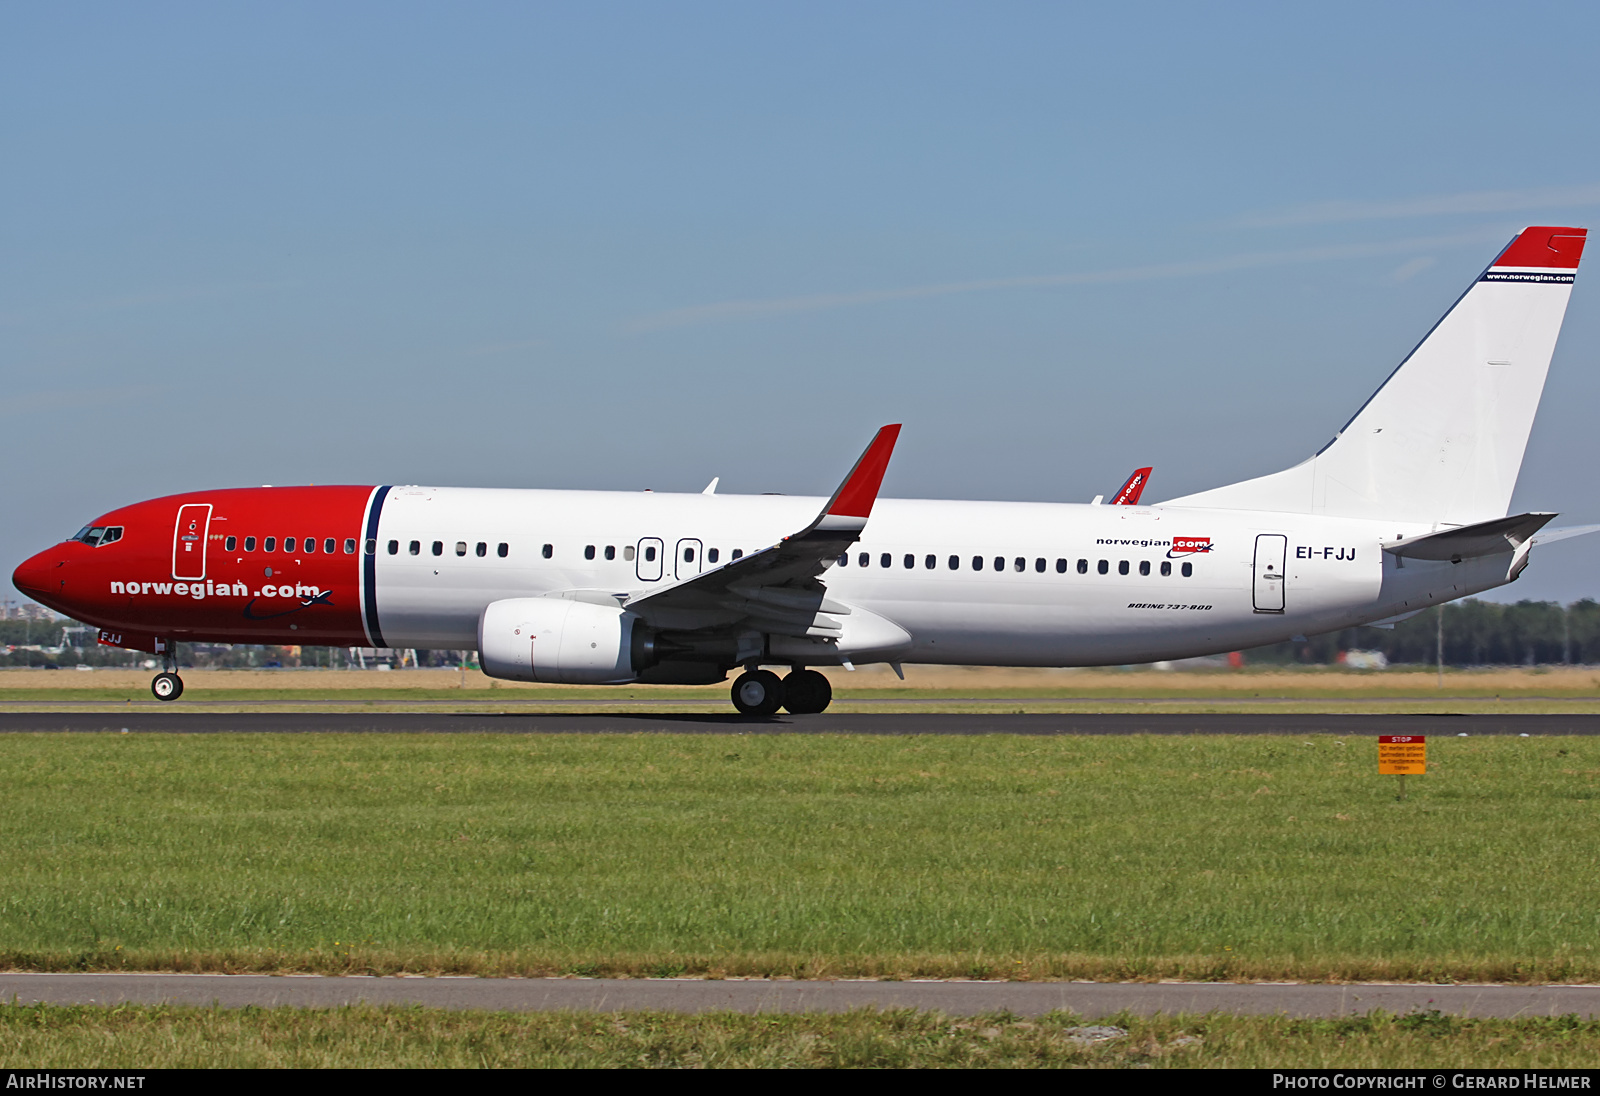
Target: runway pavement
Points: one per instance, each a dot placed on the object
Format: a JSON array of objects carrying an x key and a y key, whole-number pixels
[
  {"x": 192, "y": 721},
  {"x": 1087, "y": 999}
]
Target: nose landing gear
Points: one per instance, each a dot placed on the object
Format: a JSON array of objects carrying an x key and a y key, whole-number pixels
[{"x": 167, "y": 685}]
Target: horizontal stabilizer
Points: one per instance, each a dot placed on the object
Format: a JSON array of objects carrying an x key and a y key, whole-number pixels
[
  {"x": 1486, "y": 538},
  {"x": 1549, "y": 536}
]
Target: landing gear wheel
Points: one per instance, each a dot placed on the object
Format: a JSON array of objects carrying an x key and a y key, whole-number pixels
[
  {"x": 167, "y": 686},
  {"x": 758, "y": 693},
  {"x": 806, "y": 692}
]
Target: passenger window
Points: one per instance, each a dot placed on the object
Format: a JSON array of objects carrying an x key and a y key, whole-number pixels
[
  {"x": 886, "y": 560},
  {"x": 328, "y": 546},
  {"x": 588, "y": 551},
  {"x": 688, "y": 555},
  {"x": 549, "y": 550},
  {"x": 713, "y": 553},
  {"x": 1061, "y": 566},
  {"x": 1166, "y": 568},
  {"x": 1188, "y": 569},
  {"x": 611, "y": 552},
  {"x": 415, "y": 547},
  {"x": 1144, "y": 567},
  {"x": 394, "y": 548},
  {"x": 311, "y": 545},
  {"x": 349, "y": 546},
  {"x": 864, "y": 559},
  {"x": 955, "y": 563},
  {"x": 231, "y": 543},
  {"x": 1122, "y": 567},
  {"x": 1083, "y": 567},
  {"x": 738, "y": 552},
  {"x": 438, "y": 547},
  {"x": 977, "y": 563},
  {"x": 1103, "y": 567},
  {"x": 910, "y": 561},
  {"x": 372, "y": 547},
  {"x": 930, "y": 562},
  {"x": 844, "y": 560},
  {"x": 999, "y": 563},
  {"x": 270, "y": 544},
  {"x": 1019, "y": 564},
  {"x": 461, "y": 547},
  {"x": 482, "y": 549},
  {"x": 1038, "y": 565},
  {"x": 649, "y": 553},
  {"x": 288, "y": 544},
  {"x": 627, "y": 553},
  {"x": 504, "y": 550},
  {"x": 249, "y": 544}
]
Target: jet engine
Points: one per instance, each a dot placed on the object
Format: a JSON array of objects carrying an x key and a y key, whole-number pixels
[{"x": 560, "y": 641}]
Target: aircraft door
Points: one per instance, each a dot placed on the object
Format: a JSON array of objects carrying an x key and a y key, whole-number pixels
[
  {"x": 648, "y": 559},
  {"x": 1271, "y": 551},
  {"x": 687, "y": 560},
  {"x": 189, "y": 541}
]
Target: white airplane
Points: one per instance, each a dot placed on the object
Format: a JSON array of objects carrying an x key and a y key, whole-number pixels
[{"x": 1405, "y": 508}]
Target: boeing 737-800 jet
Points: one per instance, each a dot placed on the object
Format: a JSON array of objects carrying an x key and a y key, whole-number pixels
[{"x": 1405, "y": 508}]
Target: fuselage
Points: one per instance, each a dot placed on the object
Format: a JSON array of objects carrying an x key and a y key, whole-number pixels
[{"x": 978, "y": 583}]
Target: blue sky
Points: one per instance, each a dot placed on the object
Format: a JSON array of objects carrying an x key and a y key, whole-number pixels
[{"x": 641, "y": 245}]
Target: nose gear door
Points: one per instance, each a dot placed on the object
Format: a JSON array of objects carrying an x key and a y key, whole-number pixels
[
  {"x": 189, "y": 541},
  {"x": 1271, "y": 550}
]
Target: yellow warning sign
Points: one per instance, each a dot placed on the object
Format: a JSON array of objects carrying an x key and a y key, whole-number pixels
[{"x": 1402, "y": 754}]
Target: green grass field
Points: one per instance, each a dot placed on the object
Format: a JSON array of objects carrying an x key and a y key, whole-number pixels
[
  {"x": 1111, "y": 858},
  {"x": 135, "y": 1038}
]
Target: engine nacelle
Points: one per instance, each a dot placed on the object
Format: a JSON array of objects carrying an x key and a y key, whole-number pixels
[{"x": 561, "y": 642}]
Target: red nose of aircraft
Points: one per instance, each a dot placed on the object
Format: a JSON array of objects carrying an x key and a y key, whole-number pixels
[{"x": 36, "y": 577}]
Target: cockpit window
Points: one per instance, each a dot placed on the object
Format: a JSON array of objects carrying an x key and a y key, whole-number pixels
[{"x": 97, "y": 536}]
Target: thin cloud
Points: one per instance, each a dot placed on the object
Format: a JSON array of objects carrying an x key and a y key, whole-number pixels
[
  {"x": 756, "y": 309},
  {"x": 487, "y": 349},
  {"x": 1408, "y": 270},
  {"x": 1480, "y": 201},
  {"x": 74, "y": 399}
]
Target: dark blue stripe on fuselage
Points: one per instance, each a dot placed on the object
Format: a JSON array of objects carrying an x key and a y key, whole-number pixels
[{"x": 369, "y": 568}]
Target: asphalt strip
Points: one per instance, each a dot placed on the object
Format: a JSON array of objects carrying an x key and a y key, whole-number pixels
[
  {"x": 686, "y": 995},
  {"x": 882, "y": 723}
]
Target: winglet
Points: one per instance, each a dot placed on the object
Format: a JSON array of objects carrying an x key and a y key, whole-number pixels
[
  {"x": 851, "y": 504},
  {"x": 1129, "y": 495}
]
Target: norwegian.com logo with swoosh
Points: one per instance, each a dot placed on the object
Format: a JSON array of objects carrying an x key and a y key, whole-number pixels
[{"x": 1188, "y": 546}]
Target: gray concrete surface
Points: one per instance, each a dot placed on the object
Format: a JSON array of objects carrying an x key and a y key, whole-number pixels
[{"x": 1088, "y": 999}]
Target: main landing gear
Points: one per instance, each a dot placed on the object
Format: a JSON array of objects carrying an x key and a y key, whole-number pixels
[
  {"x": 167, "y": 685},
  {"x": 761, "y": 693}
]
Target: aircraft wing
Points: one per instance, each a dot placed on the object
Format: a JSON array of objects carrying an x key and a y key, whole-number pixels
[
  {"x": 1130, "y": 492},
  {"x": 777, "y": 589}
]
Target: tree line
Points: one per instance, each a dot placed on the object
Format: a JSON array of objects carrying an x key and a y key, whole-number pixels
[{"x": 1476, "y": 633}]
